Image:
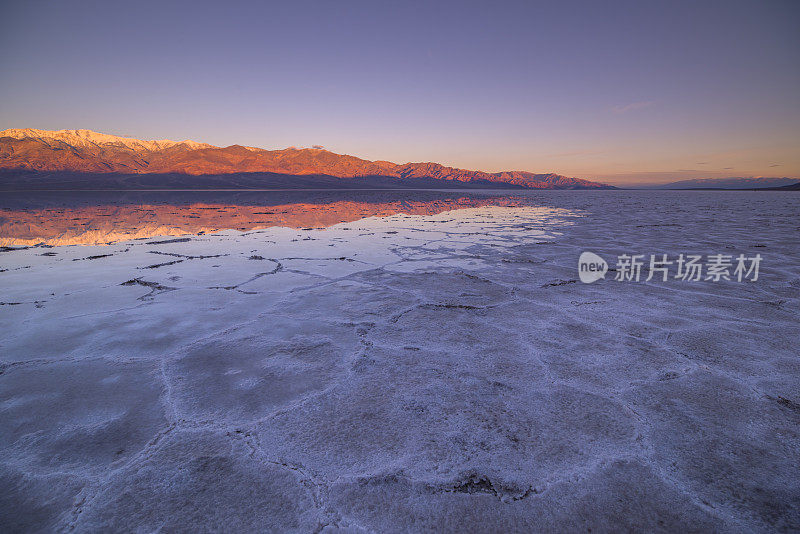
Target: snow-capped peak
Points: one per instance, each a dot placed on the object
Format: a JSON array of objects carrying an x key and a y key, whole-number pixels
[{"x": 80, "y": 138}]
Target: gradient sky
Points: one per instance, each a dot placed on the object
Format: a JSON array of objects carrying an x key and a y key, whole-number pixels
[{"x": 619, "y": 91}]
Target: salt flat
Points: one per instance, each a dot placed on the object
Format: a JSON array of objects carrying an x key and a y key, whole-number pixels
[{"x": 410, "y": 373}]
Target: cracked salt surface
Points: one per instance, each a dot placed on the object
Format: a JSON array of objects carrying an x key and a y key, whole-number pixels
[{"x": 409, "y": 373}]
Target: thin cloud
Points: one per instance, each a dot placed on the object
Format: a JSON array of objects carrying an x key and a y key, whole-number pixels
[
  {"x": 775, "y": 165},
  {"x": 633, "y": 106}
]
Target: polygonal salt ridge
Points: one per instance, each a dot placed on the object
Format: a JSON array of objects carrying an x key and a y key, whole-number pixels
[
  {"x": 108, "y": 412},
  {"x": 443, "y": 290},
  {"x": 169, "y": 489},
  {"x": 249, "y": 374}
]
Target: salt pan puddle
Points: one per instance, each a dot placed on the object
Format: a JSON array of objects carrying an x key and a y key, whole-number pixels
[{"x": 59, "y": 219}]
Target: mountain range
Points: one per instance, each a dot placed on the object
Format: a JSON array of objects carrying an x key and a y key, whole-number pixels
[
  {"x": 760, "y": 182},
  {"x": 83, "y": 158}
]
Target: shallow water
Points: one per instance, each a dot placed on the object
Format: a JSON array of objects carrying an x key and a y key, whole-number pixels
[
  {"x": 96, "y": 218},
  {"x": 396, "y": 360}
]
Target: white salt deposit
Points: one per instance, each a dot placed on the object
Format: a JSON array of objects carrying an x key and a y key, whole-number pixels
[{"x": 409, "y": 373}]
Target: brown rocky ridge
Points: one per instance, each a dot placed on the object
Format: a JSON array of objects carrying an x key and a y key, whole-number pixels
[{"x": 42, "y": 157}]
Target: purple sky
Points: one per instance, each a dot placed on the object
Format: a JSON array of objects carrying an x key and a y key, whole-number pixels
[{"x": 619, "y": 91}]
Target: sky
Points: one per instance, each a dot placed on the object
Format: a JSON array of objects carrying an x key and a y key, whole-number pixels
[{"x": 622, "y": 92}]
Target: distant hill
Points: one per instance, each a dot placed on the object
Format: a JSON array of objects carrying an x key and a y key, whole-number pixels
[
  {"x": 791, "y": 187},
  {"x": 729, "y": 183},
  {"x": 83, "y": 157}
]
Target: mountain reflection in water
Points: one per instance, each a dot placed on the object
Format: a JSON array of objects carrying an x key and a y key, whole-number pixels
[{"x": 93, "y": 218}]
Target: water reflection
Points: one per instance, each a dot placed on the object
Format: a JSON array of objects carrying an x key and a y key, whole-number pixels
[{"x": 92, "y": 218}]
